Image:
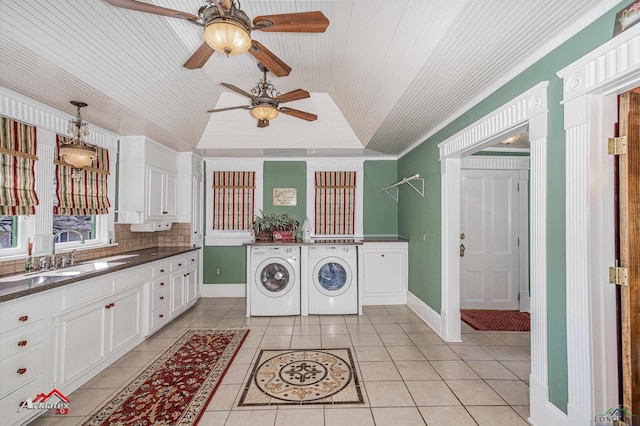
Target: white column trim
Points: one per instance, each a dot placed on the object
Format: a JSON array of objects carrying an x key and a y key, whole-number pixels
[
  {"x": 590, "y": 87},
  {"x": 530, "y": 108},
  {"x": 486, "y": 162}
]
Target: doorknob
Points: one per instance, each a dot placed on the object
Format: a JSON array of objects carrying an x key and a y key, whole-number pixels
[{"x": 462, "y": 248}]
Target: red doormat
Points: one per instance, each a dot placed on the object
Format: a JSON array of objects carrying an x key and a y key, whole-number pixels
[
  {"x": 496, "y": 320},
  {"x": 177, "y": 387}
]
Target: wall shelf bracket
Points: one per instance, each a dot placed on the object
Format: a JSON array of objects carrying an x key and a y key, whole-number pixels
[{"x": 408, "y": 181}]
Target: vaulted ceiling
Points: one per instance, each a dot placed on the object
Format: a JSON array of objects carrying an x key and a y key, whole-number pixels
[{"x": 385, "y": 74}]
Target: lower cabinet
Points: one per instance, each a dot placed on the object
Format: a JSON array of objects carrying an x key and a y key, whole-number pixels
[{"x": 384, "y": 273}]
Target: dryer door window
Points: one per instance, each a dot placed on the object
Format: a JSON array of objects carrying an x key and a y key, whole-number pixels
[
  {"x": 274, "y": 279},
  {"x": 332, "y": 277}
]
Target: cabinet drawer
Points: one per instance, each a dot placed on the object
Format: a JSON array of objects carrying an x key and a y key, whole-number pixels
[
  {"x": 159, "y": 317},
  {"x": 21, "y": 340},
  {"x": 20, "y": 369},
  {"x": 160, "y": 297},
  {"x": 160, "y": 283},
  {"x": 86, "y": 292},
  {"x": 178, "y": 263},
  {"x": 10, "y": 405},
  {"x": 22, "y": 312},
  {"x": 161, "y": 269}
]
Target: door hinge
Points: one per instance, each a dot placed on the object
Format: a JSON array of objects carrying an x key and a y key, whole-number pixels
[
  {"x": 618, "y": 145},
  {"x": 618, "y": 275},
  {"x": 518, "y": 186},
  {"x": 518, "y": 241}
]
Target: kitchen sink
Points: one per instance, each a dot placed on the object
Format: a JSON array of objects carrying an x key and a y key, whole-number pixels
[{"x": 80, "y": 269}]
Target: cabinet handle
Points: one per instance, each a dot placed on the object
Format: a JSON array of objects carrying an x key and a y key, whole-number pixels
[
  {"x": 113, "y": 304},
  {"x": 179, "y": 264},
  {"x": 161, "y": 283},
  {"x": 188, "y": 273},
  {"x": 161, "y": 315},
  {"x": 24, "y": 318},
  {"x": 107, "y": 306},
  {"x": 22, "y": 343},
  {"x": 193, "y": 260},
  {"x": 161, "y": 270},
  {"x": 161, "y": 297},
  {"x": 21, "y": 370}
]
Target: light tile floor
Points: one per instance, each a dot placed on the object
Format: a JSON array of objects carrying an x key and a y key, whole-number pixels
[{"x": 409, "y": 375}]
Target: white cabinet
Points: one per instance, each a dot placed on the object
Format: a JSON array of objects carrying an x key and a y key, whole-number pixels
[
  {"x": 190, "y": 194},
  {"x": 184, "y": 284},
  {"x": 384, "y": 273},
  {"x": 25, "y": 349},
  {"x": 161, "y": 194},
  {"x": 148, "y": 184},
  {"x": 91, "y": 333}
]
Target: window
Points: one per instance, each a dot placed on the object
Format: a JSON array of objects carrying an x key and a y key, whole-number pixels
[
  {"x": 335, "y": 194},
  {"x": 233, "y": 200},
  {"x": 86, "y": 225},
  {"x": 8, "y": 231}
]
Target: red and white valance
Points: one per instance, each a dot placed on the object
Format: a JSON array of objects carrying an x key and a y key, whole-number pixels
[
  {"x": 233, "y": 200},
  {"x": 18, "y": 147},
  {"x": 335, "y": 203},
  {"x": 81, "y": 192}
]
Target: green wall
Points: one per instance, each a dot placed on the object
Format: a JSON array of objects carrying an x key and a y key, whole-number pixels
[
  {"x": 416, "y": 216},
  {"x": 380, "y": 212}
]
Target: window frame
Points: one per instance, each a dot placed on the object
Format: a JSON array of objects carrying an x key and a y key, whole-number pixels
[{"x": 217, "y": 237}]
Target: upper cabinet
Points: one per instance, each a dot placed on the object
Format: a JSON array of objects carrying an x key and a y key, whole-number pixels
[{"x": 148, "y": 184}]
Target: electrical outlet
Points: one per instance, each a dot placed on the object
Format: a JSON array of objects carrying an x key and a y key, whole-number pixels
[
  {"x": 218, "y": 271},
  {"x": 424, "y": 237}
]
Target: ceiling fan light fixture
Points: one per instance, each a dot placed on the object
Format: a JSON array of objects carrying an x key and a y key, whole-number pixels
[
  {"x": 227, "y": 37},
  {"x": 77, "y": 153},
  {"x": 264, "y": 112}
]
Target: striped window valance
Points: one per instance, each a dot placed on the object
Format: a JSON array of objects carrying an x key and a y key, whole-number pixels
[
  {"x": 81, "y": 192},
  {"x": 233, "y": 202},
  {"x": 335, "y": 203},
  {"x": 18, "y": 147}
]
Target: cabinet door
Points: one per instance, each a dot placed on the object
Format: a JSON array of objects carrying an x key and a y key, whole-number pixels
[
  {"x": 191, "y": 283},
  {"x": 125, "y": 318},
  {"x": 81, "y": 341},
  {"x": 169, "y": 202},
  {"x": 178, "y": 293},
  {"x": 155, "y": 193},
  {"x": 196, "y": 210},
  {"x": 384, "y": 277}
]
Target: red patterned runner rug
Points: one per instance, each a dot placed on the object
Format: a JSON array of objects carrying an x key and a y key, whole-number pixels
[
  {"x": 496, "y": 320},
  {"x": 177, "y": 387}
]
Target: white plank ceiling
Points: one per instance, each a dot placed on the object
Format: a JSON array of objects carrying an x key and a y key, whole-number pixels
[{"x": 385, "y": 75}]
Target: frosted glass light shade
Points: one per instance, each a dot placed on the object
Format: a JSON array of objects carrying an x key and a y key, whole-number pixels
[
  {"x": 264, "y": 112},
  {"x": 78, "y": 156},
  {"x": 227, "y": 38}
]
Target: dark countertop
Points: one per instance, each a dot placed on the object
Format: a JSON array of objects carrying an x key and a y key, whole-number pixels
[{"x": 25, "y": 285}]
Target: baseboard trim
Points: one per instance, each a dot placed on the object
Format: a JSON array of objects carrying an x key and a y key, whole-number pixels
[
  {"x": 542, "y": 411},
  {"x": 223, "y": 290},
  {"x": 426, "y": 312},
  {"x": 525, "y": 302},
  {"x": 384, "y": 300}
]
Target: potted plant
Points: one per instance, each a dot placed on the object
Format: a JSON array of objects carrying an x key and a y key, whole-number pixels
[{"x": 284, "y": 225}]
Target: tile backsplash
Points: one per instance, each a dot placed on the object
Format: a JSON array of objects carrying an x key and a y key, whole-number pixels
[{"x": 179, "y": 235}]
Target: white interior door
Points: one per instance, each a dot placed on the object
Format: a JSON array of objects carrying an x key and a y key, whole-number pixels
[{"x": 489, "y": 239}]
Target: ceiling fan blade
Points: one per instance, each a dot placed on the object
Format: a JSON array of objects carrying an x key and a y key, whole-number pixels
[
  {"x": 294, "y": 95},
  {"x": 229, "y": 108},
  {"x": 263, "y": 123},
  {"x": 151, "y": 8},
  {"x": 300, "y": 114},
  {"x": 303, "y": 22},
  {"x": 200, "y": 57},
  {"x": 238, "y": 90},
  {"x": 269, "y": 60}
]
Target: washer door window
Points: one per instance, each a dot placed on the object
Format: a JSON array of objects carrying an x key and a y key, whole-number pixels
[
  {"x": 332, "y": 276},
  {"x": 275, "y": 277}
]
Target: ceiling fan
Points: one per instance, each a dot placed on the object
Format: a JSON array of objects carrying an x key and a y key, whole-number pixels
[
  {"x": 265, "y": 101},
  {"x": 227, "y": 29}
]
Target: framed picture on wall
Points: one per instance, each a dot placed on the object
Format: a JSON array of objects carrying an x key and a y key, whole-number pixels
[
  {"x": 627, "y": 17},
  {"x": 285, "y": 196}
]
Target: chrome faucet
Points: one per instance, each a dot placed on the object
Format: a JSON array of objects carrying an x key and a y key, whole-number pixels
[{"x": 53, "y": 263}]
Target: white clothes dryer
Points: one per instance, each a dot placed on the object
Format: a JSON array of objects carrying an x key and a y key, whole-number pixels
[
  {"x": 274, "y": 282},
  {"x": 333, "y": 280}
]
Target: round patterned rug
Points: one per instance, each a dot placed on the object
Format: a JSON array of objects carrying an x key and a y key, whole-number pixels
[{"x": 318, "y": 376}]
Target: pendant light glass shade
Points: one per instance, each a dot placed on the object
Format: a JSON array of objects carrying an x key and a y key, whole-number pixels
[
  {"x": 264, "y": 112},
  {"x": 227, "y": 38},
  {"x": 77, "y": 153}
]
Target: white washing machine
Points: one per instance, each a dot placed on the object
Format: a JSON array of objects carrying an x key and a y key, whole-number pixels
[
  {"x": 274, "y": 281},
  {"x": 333, "y": 280}
]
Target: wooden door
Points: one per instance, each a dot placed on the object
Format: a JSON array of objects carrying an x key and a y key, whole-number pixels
[
  {"x": 629, "y": 233},
  {"x": 489, "y": 221}
]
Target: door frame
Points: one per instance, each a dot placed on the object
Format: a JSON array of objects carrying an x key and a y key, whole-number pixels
[
  {"x": 590, "y": 89},
  {"x": 522, "y": 164},
  {"x": 528, "y": 110}
]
